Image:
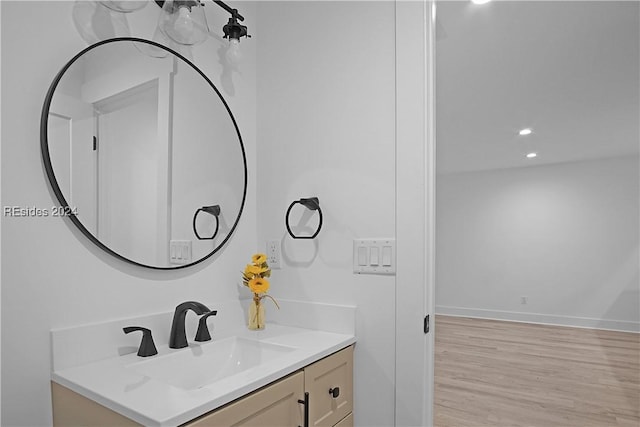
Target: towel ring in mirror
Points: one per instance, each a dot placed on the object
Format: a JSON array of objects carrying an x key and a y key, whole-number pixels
[{"x": 213, "y": 211}]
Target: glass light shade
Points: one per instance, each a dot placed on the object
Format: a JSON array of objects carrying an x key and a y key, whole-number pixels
[
  {"x": 233, "y": 53},
  {"x": 184, "y": 22},
  {"x": 124, "y": 6},
  {"x": 95, "y": 22},
  {"x": 154, "y": 51}
]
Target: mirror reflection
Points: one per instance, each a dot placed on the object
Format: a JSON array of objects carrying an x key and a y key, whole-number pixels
[{"x": 137, "y": 145}]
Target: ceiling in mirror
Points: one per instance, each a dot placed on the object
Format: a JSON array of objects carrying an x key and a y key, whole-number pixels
[{"x": 141, "y": 147}]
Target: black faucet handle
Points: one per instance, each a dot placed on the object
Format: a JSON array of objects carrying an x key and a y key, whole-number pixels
[
  {"x": 203, "y": 330},
  {"x": 147, "y": 346}
]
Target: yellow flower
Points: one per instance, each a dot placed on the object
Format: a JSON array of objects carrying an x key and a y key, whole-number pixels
[
  {"x": 246, "y": 278},
  {"x": 259, "y": 285},
  {"x": 259, "y": 258},
  {"x": 253, "y": 269}
]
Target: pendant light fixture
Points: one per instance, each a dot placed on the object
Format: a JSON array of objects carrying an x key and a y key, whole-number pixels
[
  {"x": 233, "y": 31},
  {"x": 184, "y": 22}
]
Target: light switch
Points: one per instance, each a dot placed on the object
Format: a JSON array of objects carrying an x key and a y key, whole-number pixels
[
  {"x": 362, "y": 255},
  {"x": 374, "y": 256},
  {"x": 386, "y": 256},
  {"x": 375, "y": 252},
  {"x": 180, "y": 251}
]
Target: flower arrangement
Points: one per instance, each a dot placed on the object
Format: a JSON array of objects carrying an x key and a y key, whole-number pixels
[{"x": 255, "y": 278}]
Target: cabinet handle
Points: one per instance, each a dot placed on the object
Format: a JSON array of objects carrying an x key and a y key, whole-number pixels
[
  {"x": 334, "y": 392},
  {"x": 305, "y": 402}
]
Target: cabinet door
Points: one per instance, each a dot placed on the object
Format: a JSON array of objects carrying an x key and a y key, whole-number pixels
[
  {"x": 346, "y": 421},
  {"x": 275, "y": 405},
  {"x": 333, "y": 373},
  {"x": 73, "y": 409}
]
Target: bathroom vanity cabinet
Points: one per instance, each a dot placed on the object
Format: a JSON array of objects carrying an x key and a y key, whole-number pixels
[{"x": 327, "y": 385}]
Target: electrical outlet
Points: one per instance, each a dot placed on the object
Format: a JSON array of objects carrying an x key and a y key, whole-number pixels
[
  {"x": 524, "y": 300},
  {"x": 274, "y": 254}
]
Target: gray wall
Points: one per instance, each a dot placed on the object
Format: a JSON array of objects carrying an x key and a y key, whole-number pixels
[{"x": 564, "y": 235}]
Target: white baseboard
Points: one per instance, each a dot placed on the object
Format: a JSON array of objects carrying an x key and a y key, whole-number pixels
[{"x": 547, "y": 319}]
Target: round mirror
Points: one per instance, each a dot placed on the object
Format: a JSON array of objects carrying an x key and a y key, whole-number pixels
[{"x": 143, "y": 154}]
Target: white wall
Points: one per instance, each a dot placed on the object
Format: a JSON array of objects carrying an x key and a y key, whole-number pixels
[
  {"x": 52, "y": 276},
  {"x": 565, "y": 235},
  {"x": 326, "y": 126}
]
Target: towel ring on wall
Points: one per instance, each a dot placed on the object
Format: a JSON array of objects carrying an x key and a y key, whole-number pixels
[
  {"x": 212, "y": 210},
  {"x": 311, "y": 203}
]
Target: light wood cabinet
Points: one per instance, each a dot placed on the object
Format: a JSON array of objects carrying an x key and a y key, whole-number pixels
[
  {"x": 346, "y": 421},
  {"x": 73, "y": 409},
  {"x": 327, "y": 383},
  {"x": 273, "y": 406}
]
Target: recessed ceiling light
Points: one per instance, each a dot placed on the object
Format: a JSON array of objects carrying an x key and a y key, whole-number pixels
[
  {"x": 524, "y": 132},
  {"x": 532, "y": 155},
  {"x": 480, "y": 1}
]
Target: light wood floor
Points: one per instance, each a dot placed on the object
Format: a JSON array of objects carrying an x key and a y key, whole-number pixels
[{"x": 494, "y": 373}]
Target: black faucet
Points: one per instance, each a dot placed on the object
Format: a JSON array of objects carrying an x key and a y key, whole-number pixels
[{"x": 178, "y": 336}]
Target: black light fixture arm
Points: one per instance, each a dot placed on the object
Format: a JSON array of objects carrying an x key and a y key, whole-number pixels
[
  {"x": 232, "y": 29},
  {"x": 234, "y": 12}
]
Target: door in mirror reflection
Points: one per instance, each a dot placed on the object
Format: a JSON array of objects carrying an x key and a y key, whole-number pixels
[
  {"x": 130, "y": 169},
  {"x": 71, "y": 130}
]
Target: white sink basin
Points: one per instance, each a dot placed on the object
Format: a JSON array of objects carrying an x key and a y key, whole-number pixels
[{"x": 204, "y": 364}]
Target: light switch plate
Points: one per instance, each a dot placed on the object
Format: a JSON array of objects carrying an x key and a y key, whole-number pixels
[
  {"x": 374, "y": 256},
  {"x": 180, "y": 251}
]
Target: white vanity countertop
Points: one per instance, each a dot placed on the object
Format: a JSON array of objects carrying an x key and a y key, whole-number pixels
[{"x": 155, "y": 403}]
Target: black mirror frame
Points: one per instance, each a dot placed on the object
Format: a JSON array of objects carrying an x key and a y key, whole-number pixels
[{"x": 44, "y": 147}]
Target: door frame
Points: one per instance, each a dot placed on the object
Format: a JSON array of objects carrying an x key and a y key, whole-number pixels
[{"x": 415, "y": 211}]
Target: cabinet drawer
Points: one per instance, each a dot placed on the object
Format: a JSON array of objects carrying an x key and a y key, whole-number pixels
[
  {"x": 275, "y": 405},
  {"x": 334, "y": 373}
]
